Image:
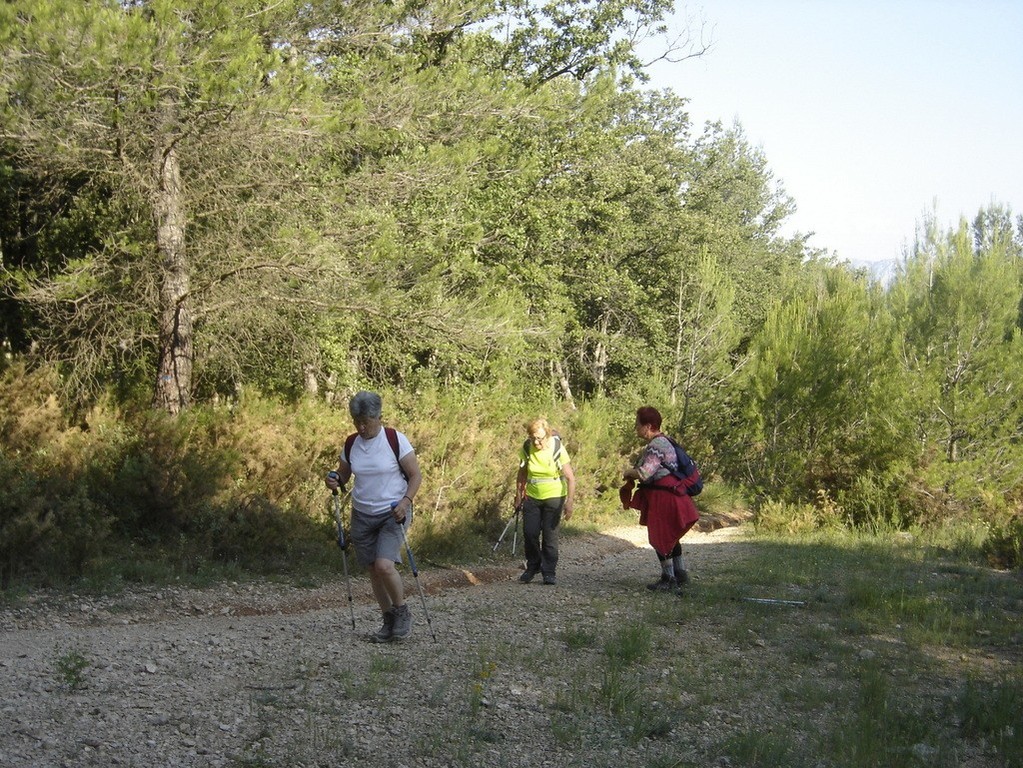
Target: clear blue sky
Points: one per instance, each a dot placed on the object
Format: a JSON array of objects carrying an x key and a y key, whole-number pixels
[{"x": 871, "y": 114}]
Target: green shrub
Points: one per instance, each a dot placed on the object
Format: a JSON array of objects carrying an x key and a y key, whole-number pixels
[
  {"x": 31, "y": 419},
  {"x": 243, "y": 485},
  {"x": 990, "y": 711},
  {"x": 1003, "y": 546},
  {"x": 50, "y": 528},
  {"x": 781, "y": 517},
  {"x": 254, "y": 533},
  {"x": 70, "y": 669},
  {"x": 50, "y": 522},
  {"x": 279, "y": 450}
]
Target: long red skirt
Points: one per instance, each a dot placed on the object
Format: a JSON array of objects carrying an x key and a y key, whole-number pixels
[{"x": 667, "y": 512}]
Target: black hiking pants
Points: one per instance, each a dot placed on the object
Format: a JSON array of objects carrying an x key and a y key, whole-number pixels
[{"x": 540, "y": 521}]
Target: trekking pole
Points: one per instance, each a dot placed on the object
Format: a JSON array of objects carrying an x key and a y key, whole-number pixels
[
  {"x": 515, "y": 530},
  {"x": 500, "y": 538},
  {"x": 513, "y": 520},
  {"x": 343, "y": 545},
  {"x": 415, "y": 573}
]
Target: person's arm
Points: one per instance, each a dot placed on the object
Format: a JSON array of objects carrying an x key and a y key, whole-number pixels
[
  {"x": 520, "y": 486},
  {"x": 632, "y": 473},
  {"x": 569, "y": 475},
  {"x": 645, "y": 466},
  {"x": 410, "y": 465}
]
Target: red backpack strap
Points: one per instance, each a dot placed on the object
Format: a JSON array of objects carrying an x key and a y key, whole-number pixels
[
  {"x": 349, "y": 442},
  {"x": 392, "y": 438}
]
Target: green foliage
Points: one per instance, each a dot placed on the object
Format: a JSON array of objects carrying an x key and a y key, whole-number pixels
[
  {"x": 50, "y": 528},
  {"x": 782, "y": 517},
  {"x": 990, "y": 711},
  {"x": 890, "y": 408},
  {"x": 823, "y": 392},
  {"x": 156, "y": 472},
  {"x": 552, "y": 39},
  {"x": 50, "y": 525},
  {"x": 1003, "y": 545},
  {"x": 259, "y": 536},
  {"x": 105, "y": 102},
  {"x": 71, "y": 668},
  {"x": 958, "y": 303},
  {"x": 212, "y": 485},
  {"x": 630, "y": 645},
  {"x": 31, "y": 416}
]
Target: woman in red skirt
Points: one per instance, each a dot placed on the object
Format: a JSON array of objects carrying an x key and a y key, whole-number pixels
[{"x": 665, "y": 508}]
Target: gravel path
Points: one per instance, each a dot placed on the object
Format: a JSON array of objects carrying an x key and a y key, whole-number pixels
[{"x": 261, "y": 675}]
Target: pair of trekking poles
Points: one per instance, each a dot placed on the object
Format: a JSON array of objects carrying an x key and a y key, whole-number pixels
[
  {"x": 342, "y": 543},
  {"x": 513, "y": 523}
]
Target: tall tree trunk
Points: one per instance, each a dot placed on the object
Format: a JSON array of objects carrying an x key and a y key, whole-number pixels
[
  {"x": 691, "y": 332},
  {"x": 600, "y": 355},
  {"x": 174, "y": 375},
  {"x": 312, "y": 385},
  {"x": 566, "y": 388},
  {"x": 676, "y": 368}
]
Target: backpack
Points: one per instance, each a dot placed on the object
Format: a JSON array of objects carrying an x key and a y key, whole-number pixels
[
  {"x": 556, "y": 449},
  {"x": 687, "y": 470},
  {"x": 392, "y": 439}
]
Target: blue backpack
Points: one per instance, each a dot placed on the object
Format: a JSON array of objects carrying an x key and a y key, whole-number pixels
[{"x": 687, "y": 470}]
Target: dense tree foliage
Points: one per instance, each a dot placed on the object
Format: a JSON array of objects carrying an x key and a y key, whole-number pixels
[
  {"x": 174, "y": 135},
  {"x": 824, "y": 394},
  {"x": 958, "y": 301}
]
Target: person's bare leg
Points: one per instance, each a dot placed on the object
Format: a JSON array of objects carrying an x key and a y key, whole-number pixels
[{"x": 388, "y": 587}]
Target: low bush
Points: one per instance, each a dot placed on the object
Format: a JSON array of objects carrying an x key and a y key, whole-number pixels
[{"x": 1003, "y": 546}]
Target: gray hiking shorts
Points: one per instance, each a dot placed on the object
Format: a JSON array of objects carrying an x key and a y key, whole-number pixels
[{"x": 377, "y": 537}]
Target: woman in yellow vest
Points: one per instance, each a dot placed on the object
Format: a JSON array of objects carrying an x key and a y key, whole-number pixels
[{"x": 545, "y": 490}]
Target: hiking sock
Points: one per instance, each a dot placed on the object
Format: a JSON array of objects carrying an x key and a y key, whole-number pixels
[
  {"x": 667, "y": 567},
  {"x": 678, "y": 563},
  {"x": 679, "y": 566}
]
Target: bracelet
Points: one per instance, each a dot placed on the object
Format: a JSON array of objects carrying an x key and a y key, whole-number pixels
[{"x": 409, "y": 498}]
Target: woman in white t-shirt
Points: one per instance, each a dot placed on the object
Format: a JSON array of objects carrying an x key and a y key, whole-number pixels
[{"x": 387, "y": 478}]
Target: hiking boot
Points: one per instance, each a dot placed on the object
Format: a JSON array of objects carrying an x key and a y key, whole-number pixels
[
  {"x": 527, "y": 576},
  {"x": 658, "y": 585},
  {"x": 402, "y": 622},
  {"x": 386, "y": 632},
  {"x": 549, "y": 579},
  {"x": 683, "y": 578},
  {"x": 667, "y": 585}
]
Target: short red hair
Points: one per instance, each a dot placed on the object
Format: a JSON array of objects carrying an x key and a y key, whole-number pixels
[{"x": 650, "y": 416}]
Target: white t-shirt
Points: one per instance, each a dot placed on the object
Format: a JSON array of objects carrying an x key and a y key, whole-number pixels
[{"x": 378, "y": 479}]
